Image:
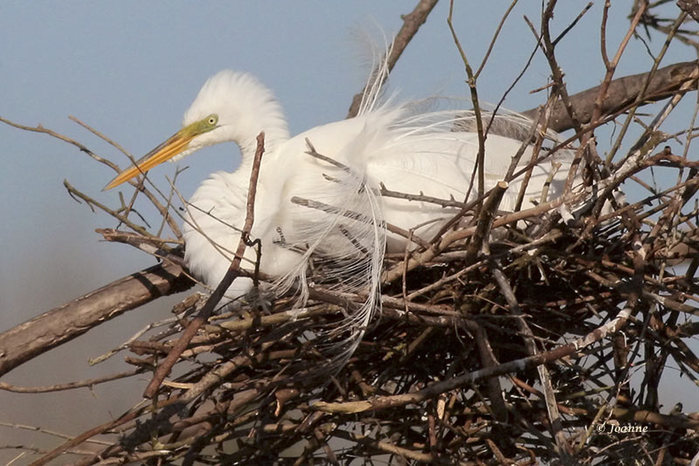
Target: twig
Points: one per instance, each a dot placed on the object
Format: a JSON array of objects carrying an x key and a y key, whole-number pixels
[
  {"x": 420, "y": 198},
  {"x": 311, "y": 204},
  {"x": 475, "y": 101},
  {"x": 90, "y": 201},
  {"x": 68, "y": 386},
  {"x": 457, "y": 235},
  {"x": 82, "y": 147},
  {"x": 164, "y": 368},
  {"x": 544, "y": 375},
  {"x": 102, "y": 136},
  {"x": 485, "y": 221},
  {"x": 411, "y": 23}
]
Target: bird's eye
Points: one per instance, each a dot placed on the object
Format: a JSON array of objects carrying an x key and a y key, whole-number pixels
[{"x": 212, "y": 119}]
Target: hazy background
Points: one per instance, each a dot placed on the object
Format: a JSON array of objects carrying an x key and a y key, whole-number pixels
[{"x": 130, "y": 69}]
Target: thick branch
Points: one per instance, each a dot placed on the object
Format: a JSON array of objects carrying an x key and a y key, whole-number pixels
[
  {"x": 62, "y": 324},
  {"x": 621, "y": 93}
]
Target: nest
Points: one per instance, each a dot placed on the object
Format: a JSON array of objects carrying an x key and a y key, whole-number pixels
[{"x": 518, "y": 337}]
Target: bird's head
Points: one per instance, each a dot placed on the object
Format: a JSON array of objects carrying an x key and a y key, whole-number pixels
[{"x": 229, "y": 107}]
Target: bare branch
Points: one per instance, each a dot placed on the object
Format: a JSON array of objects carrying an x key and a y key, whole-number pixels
[
  {"x": 411, "y": 24},
  {"x": 384, "y": 402},
  {"x": 623, "y": 92},
  {"x": 62, "y": 324}
]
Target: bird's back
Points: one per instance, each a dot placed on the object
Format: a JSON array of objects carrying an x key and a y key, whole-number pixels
[{"x": 387, "y": 148}]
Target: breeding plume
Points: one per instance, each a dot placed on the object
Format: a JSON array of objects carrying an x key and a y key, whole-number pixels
[{"x": 319, "y": 201}]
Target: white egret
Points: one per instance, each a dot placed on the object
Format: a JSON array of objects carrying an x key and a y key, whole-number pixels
[{"x": 388, "y": 144}]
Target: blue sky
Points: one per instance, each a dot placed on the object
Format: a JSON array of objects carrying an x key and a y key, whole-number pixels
[{"x": 131, "y": 68}]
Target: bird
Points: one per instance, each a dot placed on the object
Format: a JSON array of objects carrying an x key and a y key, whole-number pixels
[{"x": 320, "y": 194}]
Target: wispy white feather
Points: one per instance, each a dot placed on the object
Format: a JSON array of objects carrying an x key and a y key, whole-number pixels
[{"x": 342, "y": 232}]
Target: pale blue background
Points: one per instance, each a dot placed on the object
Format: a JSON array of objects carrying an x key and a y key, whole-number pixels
[{"x": 131, "y": 68}]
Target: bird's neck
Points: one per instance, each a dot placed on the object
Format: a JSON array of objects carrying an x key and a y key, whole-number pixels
[
  {"x": 274, "y": 136},
  {"x": 248, "y": 147},
  {"x": 255, "y": 110}
]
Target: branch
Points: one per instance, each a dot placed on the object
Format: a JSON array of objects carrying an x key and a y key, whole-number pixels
[
  {"x": 80, "y": 146},
  {"x": 70, "y": 385},
  {"x": 411, "y": 23},
  {"x": 60, "y": 325},
  {"x": 485, "y": 221},
  {"x": 622, "y": 92},
  {"x": 391, "y": 401}
]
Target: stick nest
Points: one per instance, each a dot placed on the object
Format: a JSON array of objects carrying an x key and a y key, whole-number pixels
[{"x": 540, "y": 338}]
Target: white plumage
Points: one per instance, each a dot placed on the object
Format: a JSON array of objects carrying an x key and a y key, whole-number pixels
[{"x": 344, "y": 231}]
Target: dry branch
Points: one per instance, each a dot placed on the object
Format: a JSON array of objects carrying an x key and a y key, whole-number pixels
[
  {"x": 623, "y": 92},
  {"x": 62, "y": 324},
  {"x": 233, "y": 272},
  {"x": 411, "y": 24},
  {"x": 518, "y": 365}
]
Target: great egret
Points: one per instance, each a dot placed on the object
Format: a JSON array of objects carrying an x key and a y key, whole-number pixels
[{"x": 342, "y": 229}]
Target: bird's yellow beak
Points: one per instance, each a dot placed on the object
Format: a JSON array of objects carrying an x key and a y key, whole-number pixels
[{"x": 174, "y": 145}]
